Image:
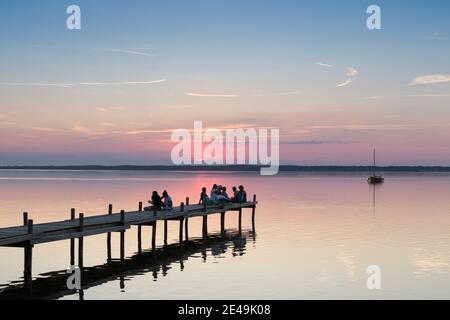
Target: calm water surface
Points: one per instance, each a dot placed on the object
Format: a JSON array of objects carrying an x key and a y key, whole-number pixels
[{"x": 316, "y": 234}]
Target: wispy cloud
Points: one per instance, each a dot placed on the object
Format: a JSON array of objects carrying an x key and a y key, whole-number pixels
[
  {"x": 44, "y": 129},
  {"x": 111, "y": 109},
  {"x": 316, "y": 142},
  {"x": 211, "y": 95},
  {"x": 127, "y": 51},
  {"x": 430, "y": 79},
  {"x": 435, "y": 95},
  {"x": 369, "y": 98},
  {"x": 121, "y": 83},
  {"x": 345, "y": 83},
  {"x": 351, "y": 73},
  {"x": 69, "y": 85},
  {"x": 324, "y": 65},
  {"x": 435, "y": 36}
]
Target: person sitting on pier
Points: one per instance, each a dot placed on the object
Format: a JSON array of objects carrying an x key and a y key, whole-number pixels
[
  {"x": 156, "y": 201},
  {"x": 235, "y": 195},
  {"x": 222, "y": 197},
  {"x": 203, "y": 197},
  {"x": 167, "y": 203},
  {"x": 242, "y": 195}
]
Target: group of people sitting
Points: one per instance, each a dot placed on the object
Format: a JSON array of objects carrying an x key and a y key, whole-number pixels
[
  {"x": 160, "y": 202},
  {"x": 219, "y": 195}
]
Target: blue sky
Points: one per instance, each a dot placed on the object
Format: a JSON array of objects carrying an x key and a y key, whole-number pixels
[{"x": 247, "y": 49}]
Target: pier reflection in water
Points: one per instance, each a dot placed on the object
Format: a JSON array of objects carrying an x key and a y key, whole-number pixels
[{"x": 157, "y": 262}]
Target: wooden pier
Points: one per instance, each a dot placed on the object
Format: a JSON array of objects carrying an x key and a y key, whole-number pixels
[{"x": 30, "y": 233}]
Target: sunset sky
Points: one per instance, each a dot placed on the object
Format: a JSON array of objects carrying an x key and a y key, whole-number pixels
[{"x": 112, "y": 92}]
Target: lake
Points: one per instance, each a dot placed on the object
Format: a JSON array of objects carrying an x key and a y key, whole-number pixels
[{"x": 314, "y": 238}]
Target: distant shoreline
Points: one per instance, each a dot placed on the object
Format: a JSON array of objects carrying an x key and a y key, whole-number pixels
[{"x": 242, "y": 168}]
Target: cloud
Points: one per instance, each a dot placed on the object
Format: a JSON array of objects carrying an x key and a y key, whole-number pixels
[
  {"x": 369, "y": 98},
  {"x": 435, "y": 36},
  {"x": 69, "y": 85},
  {"x": 430, "y": 79},
  {"x": 121, "y": 83},
  {"x": 211, "y": 95},
  {"x": 351, "y": 73},
  {"x": 127, "y": 51},
  {"x": 324, "y": 65},
  {"x": 346, "y": 83},
  {"x": 44, "y": 129},
  {"x": 110, "y": 109},
  {"x": 428, "y": 95}
]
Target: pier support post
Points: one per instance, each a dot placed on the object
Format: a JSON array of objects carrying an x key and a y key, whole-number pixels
[
  {"x": 80, "y": 243},
  {"x": 154, "y": 235},
  {"x": 165, "y": 232},
  {"x": 122, "y": 236},
  {"x": 181, "y": 230},
  {"x": 140, "y": 232},
  {"x": 186, "y": 228},
  {"x": 222, "y": 223},
  {"x": 108, "y": 237},
  {"x": 240, "y": 220},
  {"x": 72, "y": 241},
  {"x": 254, "y": 210},
  {"x": 28, "y": 261},
  {"x": 205, "y": 226}
]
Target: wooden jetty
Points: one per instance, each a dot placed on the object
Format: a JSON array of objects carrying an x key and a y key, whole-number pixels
[{"x": 30, "y": 234}]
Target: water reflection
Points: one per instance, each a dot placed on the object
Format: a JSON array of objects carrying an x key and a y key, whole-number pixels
[{"x": 158, "y": 262}]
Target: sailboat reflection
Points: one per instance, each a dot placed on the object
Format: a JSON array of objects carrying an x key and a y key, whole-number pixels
[{"x": 157, "y": 262}]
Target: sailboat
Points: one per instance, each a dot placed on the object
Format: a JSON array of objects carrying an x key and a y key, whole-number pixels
[{"x": 374, "y": 178}]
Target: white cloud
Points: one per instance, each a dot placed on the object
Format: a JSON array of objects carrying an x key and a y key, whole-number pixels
[
  {"x": 346, "y": 83},
  {"x": 324, "y": 65},
  {"x": 430, "y": 79},
  {"x": 352, "y": 72},
  {"x": 127, "y": 51},
  {"x": 121, "y": 83},
  {"x": 69, "y": 85},
  {"x": 212, "y": 95}
]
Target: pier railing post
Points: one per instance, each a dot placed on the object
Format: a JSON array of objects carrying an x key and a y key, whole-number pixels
[
  {"x": 72, "y": 240},
  {"x": 186, "y": 227},
  {"x": 187, "y": 201},
  {"x": 25, "y": 218}
]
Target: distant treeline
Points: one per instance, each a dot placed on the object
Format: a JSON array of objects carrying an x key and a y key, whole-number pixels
[{"x": 248, "y": 168}]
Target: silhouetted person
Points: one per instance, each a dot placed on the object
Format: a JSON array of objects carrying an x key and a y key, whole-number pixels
[
  {"x": 203, "y": 197},
  {"x": 242, "y": 195},
  {"x": 156, "y": 201},
  {"x": 168, "y": 203}
]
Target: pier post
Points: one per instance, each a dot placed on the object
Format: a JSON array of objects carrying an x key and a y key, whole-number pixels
[
  {"x": 72, "y": 241},
  {"x": 254, "y": 210},
  {"x": 154, "y": 235},
  {"x": 25, "y": 218},
  {"x": 186, "y": 222},
  {"x": 186, "y": 228},
  {"x": 165, "y": 232},
  {"x": 108, "y": 237},
  {"x": 205, "y": 226},
  {"x": 122, "y": 236},
  {"x": 140, "y": 231},
  {"x": 80, "y": 242},
  {"x": 181, "y": 230},
  {"x": 28, "y": 261},
  {"x": 222, "y": 223},
  {"x": 240, "y": 220}
]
